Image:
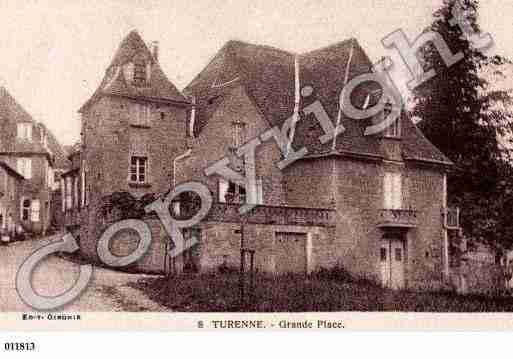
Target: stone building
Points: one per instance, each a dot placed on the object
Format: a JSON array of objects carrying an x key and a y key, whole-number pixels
[
  {"x": 387, "y": 191},
  {"x": 374, "y": 205},
  {"x": 25, "y": 146},
  {"x": 132, "y": 128},
  {"x": 11, "y": 183}
]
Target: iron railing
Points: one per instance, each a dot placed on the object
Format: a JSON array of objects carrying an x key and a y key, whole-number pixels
[{"x": 398, "y": 217}]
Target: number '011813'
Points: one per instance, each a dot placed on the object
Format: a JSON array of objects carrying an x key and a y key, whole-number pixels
[{"x": 19, "y": 347}]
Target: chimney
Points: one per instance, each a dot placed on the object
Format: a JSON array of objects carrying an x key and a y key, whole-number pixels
[{"x": 155, "y": 50}]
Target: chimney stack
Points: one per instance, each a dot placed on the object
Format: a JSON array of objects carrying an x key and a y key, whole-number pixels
[{"x": 155, "y": 50}]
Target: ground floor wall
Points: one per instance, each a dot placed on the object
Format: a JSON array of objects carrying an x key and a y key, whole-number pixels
[
  {"x": 361, "y": 231},
  {"x": 219, "y": 247},
  {"x": 351, "y": 245},
  {"x": 277, "y": 248},
  {"x": 9, "y": 220},
  {"x": 37, "y": 220}
]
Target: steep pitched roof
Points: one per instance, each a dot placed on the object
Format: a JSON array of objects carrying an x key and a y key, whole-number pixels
[
  {"x": 267, "y": 74},
  {"x": 59, "y": 154},
  {"x": 13, "y": 113},
  {"x": 11, "y": 110},
  {"x": 11, "y": 170},
  {"x": 115, "y": 83}
]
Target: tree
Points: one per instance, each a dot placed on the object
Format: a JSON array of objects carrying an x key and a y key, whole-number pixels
[{"x": 461, "y": 120}]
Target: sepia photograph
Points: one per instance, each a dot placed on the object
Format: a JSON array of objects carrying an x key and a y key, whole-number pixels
[{"x": 319, "y": 165}]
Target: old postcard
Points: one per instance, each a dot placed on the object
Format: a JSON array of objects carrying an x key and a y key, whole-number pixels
[{"x": 262, "y": 165}]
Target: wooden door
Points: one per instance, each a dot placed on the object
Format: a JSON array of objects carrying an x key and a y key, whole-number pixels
[
  {"x": 290, "y": 253},
  {"x": 392, "y": 263}
]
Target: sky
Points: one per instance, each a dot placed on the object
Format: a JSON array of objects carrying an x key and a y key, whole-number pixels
[{"x": 54, "y": 53}]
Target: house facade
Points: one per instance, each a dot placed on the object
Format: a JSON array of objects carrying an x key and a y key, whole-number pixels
[
  {"x": 11, "y": 183},
  {"x": 25, "y": 147},
  {"x": 387, "y": 191},
  {"x": 374, "y": 205},
  {"x": 132, "y": 129}
]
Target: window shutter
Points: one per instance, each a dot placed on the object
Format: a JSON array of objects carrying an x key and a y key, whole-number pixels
[
  {"x": 35, "y": 211},
  {"x": 82, "y": 186},
  {"x": 63, "y": 195},
  {"x": 398, "y": 192},
  {"x": 387, "y": 191},
  {"x": 260, "y": 197},
  {"x": 223, "y": 189},
  {"x": 50, "y": 177},
  {"x": 28, "y": 164}
]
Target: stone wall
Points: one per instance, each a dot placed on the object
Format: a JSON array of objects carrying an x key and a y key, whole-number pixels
[{"x": 109, "y": 138}]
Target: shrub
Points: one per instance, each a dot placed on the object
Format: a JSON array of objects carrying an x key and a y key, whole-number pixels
[{"x": 337, "y": 273}]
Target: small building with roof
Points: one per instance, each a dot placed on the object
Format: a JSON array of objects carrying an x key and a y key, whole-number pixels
[{"x": 31, "y": 149}]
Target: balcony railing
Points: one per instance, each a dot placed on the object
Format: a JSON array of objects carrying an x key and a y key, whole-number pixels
[
  {"x": 405, "y": 218},
  {"x": 281, "y": 215},
  {"x": 451, "y": 218}
]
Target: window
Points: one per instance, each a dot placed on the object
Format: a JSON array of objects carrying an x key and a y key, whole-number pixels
[
  {"x": 35, "y": 210},
  {"x": 63, "y": 194},
  {"x": 398, "y": 254},
  {"x": 230, "y": 192},
  {"x": 25, "y": 131},
  {"x": 76, "y": 198},
  {"x": 223, "y": 189},
  {"x": 238, "y": 133},
  {"x": 24, "y": 167},
  {"x": 257, "y": 195},
  {"x": 83, "y": 187},
  {"x": 139, "y": 71},
  {"x": 51, "y": 177},
  {"x": 177, "y": 208},
  {"x": 138, "y": 169},
  {"x": 394, "y": 129},
  {"x": 44, "y": 138},
  {"x": 383, "y": 254},
  {"x": 3, "y": 182},
  {"x": 392, "y": 188},
  {"x": 142, "y": 115},
  {"x": 69, "y": 191},
  {"x": 25, "y": 209}
]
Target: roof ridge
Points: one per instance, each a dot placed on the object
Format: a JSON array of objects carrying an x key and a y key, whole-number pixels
[
  {"x": 133, "y": 38},
  {"x": 262, "y": 46},
  {"x": 332, "y": 45}
]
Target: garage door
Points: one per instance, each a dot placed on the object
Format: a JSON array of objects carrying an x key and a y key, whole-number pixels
[{"x": 290, "y": 255}]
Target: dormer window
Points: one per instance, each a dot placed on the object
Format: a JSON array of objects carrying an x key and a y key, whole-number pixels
[
  {"x": 25, "y": 131},
  {"x": 140, "y": 71}
]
